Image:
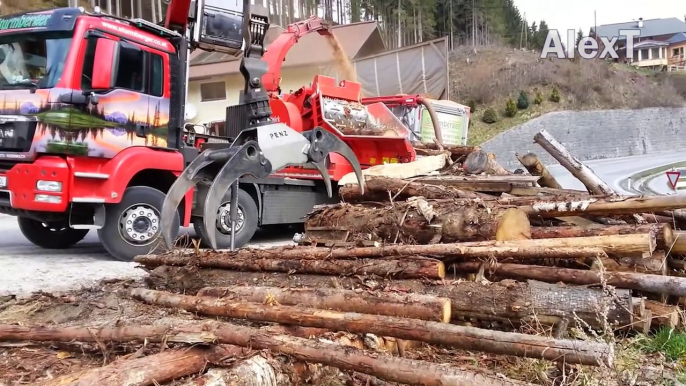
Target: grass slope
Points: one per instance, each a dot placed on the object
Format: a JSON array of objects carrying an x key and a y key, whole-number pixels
[{"x": 488, "y": 76}]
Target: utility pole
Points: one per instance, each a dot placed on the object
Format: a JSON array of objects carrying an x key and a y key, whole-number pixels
[{"x": 473, "y": 25}]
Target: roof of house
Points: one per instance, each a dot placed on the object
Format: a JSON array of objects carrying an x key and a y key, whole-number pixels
[
  {"x": 310, "y": 49},
  {"x": 678, "y": 38},
  {"x": 651, "y": 27}
]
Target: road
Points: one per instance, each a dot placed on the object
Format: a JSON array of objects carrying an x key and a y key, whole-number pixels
[
  {"x": 616, "y": 171},
  {"x": 27, "y": 268}
]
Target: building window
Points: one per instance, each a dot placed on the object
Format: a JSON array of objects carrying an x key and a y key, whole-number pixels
[
  {"x": 644, "y": 54},
  {"x": 678, "y": 52},
  {"x": 214, "y": 91},
  {"x": 655, "y": 52}
]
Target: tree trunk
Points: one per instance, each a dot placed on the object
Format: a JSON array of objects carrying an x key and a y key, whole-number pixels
[
  {"x": 377, "y": 188},
  {"x": 594, "y": 184},
  {"x": 479, "y": 161},
  {"x": 532, "y": 164},
  {"x": 678, "y": 244},
  {"x": 401, "y": 268},
  {"x": 517, "y": 249},
  {"x": 415, "y": 306},
  {"x": 620, "y": 205},
  {"x": 664, "y": 235},
  {"x": 150, "y": 370},
  {"x": 494, "y": 342},
  {"x": 667, "y": 285},
  {"x": 457, "y": 151},
  {"x": 390, "y": 368},
  {"x": 663, "y": 315}
]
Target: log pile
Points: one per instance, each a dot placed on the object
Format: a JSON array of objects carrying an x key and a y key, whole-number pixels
[{"x": 465, "y": 257}]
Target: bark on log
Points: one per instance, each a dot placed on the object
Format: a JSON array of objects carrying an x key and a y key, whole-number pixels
[
  {"x": 479, "y": 161},
  {"x": 667, "y": 285},
  {"x": 150, "y": 370},
  {"x": 663, "y": 315},
  {"x": 347, "y": 358},
  {"x": 534, "y": 166},
  {"x": 415, "y": 306},
  {"x": 377, "y": 188},
  {"x": 664, "y": 234},
  {"x": 619, "y": 205},
  {"x": 495, "y": 342},
  {"x": 401, "y": 268},
  {"x": 594, "y": 184}
]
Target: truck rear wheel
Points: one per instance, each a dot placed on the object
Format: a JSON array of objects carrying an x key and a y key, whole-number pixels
[
  {"x": 52, "y": 235},
  {"x": 132, "y": 226},
  {"x": 245, "y": 226}
]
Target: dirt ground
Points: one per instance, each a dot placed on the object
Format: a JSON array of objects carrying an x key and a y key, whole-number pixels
[{"x": 108, "y": 305}]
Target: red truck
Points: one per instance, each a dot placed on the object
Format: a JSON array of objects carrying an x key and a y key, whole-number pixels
[{"x": 92, "y": 130}]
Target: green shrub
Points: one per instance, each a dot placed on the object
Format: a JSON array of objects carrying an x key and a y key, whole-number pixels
[
  {"x": 511, "y": 108},
  {"x": 490, "y": 116},
  {"x": 555, "y": 96},
  {"x": 472, "y": 106},
  {"x": 539, "y": 98},
  {"x": 523, "y": 101}
]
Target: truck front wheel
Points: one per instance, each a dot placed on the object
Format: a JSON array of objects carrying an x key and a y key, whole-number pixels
[
  {"x": 132, "y": 227},
  {"x": 52, "y": 235},
  {"x": 246, "y": 225}
]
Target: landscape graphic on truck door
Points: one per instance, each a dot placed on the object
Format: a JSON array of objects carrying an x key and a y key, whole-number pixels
[{"x": 101, "y": 130}]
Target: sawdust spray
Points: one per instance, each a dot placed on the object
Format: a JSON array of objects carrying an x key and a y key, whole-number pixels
[{"x": 342, "y": 61}]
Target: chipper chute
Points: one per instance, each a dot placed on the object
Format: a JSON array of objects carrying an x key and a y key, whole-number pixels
[{"x": 262, "y": 147}]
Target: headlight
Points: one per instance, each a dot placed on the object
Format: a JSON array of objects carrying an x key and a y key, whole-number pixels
[
  {"x": 49, "y": 186},
  {"x": 48, "y": 198}
]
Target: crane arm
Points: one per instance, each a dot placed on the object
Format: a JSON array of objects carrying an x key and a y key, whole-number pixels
[
  {"x": 177, "y": 15},
  {"x": 277, "y": 51}
]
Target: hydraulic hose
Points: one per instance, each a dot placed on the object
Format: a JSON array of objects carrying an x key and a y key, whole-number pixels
[{"x": 434, "y": 119}]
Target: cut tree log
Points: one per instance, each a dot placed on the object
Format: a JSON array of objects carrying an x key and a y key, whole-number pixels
[
  {"x": 663, "y": 315},
  {"x": 150, "y": 370},
  {"x": 517, "y": 249},
  {"x": 594, "y": 184},
  {"x": 347, "y": 358},
  {"x": 667, "y": 285},
  {"x": 513, "y": 224},
  {"x": 655, "y": 264},
  {"x": 416, "y": 306},
  {"x": 534, "y": 166},
  {"x": 423, "y": 221},
  {"x": 678, "y": 244},
  {"x": 664, "y": 234},
  {"x": 590, "y": 353},
  {"x": 639, "y": 305},
  {"x": 641, "y": 324},
  {"x": 506, "y": 300},
  {"x": 254, "y": 371},
  {"x": 377, "y": 188},
  {"x": 479, "y": 161},
  {"x": 404, "y": 267},
  {"x": 456, "y": 151}
]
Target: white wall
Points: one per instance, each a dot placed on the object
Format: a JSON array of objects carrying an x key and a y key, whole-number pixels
[{"x": 293, "y": 79}]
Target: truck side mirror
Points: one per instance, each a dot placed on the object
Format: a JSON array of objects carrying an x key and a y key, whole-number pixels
[{"x": 104, "y": 68}]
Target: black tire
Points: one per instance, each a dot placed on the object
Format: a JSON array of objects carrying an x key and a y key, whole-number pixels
[
  {"x": 246, "y": 230},
  {"x": 53, "y": 235},
  {"x": 117, "y": 239}
]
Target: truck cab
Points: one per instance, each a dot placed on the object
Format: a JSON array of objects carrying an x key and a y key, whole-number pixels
[{"x": 88, "y": 136}]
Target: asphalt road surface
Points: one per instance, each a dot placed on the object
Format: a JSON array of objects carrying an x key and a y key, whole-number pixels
[
  {"x": 27, "y": 268},
  {"x": 615, "y": 171}
]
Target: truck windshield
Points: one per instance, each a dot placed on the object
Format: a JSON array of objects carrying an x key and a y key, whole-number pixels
[{"x": 32, "y": 60}]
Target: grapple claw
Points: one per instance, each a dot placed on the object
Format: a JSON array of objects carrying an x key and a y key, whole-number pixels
[
  {"x": 247, "y": 159},
  {"x": 321, "y": 167},
  {"x": 187, "y": 180},
  {"x": 322, "y": 143}
]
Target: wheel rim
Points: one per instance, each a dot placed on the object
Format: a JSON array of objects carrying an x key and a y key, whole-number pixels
[
  {"x": 139, "y": 224},
  {"x": 224, "y": 219}
]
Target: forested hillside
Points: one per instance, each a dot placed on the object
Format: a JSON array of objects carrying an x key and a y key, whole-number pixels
[{"x": 405, "y": 22}]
